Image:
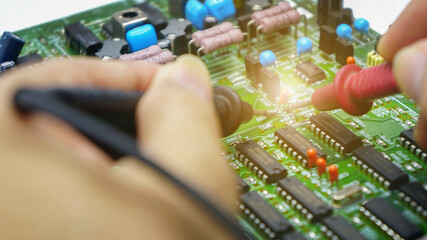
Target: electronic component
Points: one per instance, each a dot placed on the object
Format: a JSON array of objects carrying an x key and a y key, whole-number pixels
[
  {"x": 346, "y": 196},
  {"x": 242, "y": 22},
  {"x": 389, "y": 219},
  {"x": 336, "y": 227},
  {"x": 380, "y": 168},
  {"x": 343, "y": 50},
  {"x": 344, "y": 31},
  {"x": 5, "y": 66},
  {"x": 141, "y": 37},
  {"x": 334, "y": 133},
  {"x": 126, "y": 20},
  {"x": 333, "y": 173},
  {"x": 327, "y": 39},
  {"x": 177, "y": 8},
  {"x": 222, "y": 28},
  {"x": 242, "y": 185},
  {"x": 304, "y": 45},
  {"x": 260, "y": 162},
  {"x": 415, "y": 196},
  {"x": 252, "y": 6},
  {"x": 321, "y": 166},
  {"x": 274, "y": 23},
  {"x": 362, "y": 25},
  {"x": 312, "y": 157},
  {"x": 270, "y": 83},
  {"x": 107, "y": 29},
  {"x": 164, "y": 44},
  {"x": 267, "y": 58},
  {"x": 347, "y": 16},
  {"x": 263, "y": 214},
  {"x": 407, "y": 140},
  {"x": 296, "y": 145},
  {"x": 303, "y": 199},
  {"x": 309, "y": 72},
  {"x": 29, "y": 59},
  {"x": 10, "y": 47},
  {"x": 142, "y": 54},
  {"x": 253, "y": 69},
  {"x": 154, "y": 15},
  {"x": 162, "y": 58},
  {"x": 350, "y": 60},
  {"x": 258, "y": 16},
  {"x": 323, "y": 12},
  {"x": 176, "y": 32},
  {"x": 221, "y": 9},
  {"x": 196, "y": 12},
  {"x": 82, "y": 39},
  {"x": 373, "y": 59},
  {"x": 292, "y": 235},
  {"x": 112, "y": 49},
  {"x": 226, "y": 39},
  {"x": 209, "y": 22}
]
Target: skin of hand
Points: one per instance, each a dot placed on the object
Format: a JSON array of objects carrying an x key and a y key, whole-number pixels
[
  {"x": 55, "y": 184},
  {"x": 405, "y": 43}
]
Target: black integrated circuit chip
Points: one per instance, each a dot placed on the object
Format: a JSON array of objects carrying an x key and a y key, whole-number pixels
[
  {"x": 407, "y": 140},
  {"x": 82, "y": 39},
  {"x": 296, "y": 145},
  {"x": 387, "y": 217},
  {"x": 242, "y": 185},
  {"x": 336, "y": 227},
  {"x": 309, "y": 72},
  {"x": 262, "y": 213},
  {"x": 334, "y": 133},
  {"x": 306, "y": 201},
  {"x": 292, "y": 235},
  {"x": 260, "y": 162},
  {"x": 107, "y": 29},
  {"x": 380, "y": 168},
  {"x": 415, "y": 196}
]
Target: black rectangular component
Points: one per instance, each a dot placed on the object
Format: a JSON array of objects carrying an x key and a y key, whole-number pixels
[
  {"x": 275, "y": 223},
  {"x": 309, "y": 72},
  {"x": 253, "y": 68},
  {"x": 295, "y": 144},
  {"x": 178, "y": 32},
  {"x": 407, "y": 140},
  {"x": 243, "y": 20},
  {"x": 82, "y": 39},
  {"x": 307, "y": 202},
  {"x": 270, "y": 83},
  {"x": 155, "y": 16},
  {"x": 260, "y": 162},
  {"x": 242, "y": 185},
  {"x": 107, "y": 29},
  {"x": 177, "y": 8},
  {"x": 327, "y": 39},
  {"x": 336, "y": 227},
  {"x": 415, "y": 196},
  {"x": 29, "y": 59},
  {"x": 373, "y": 162},
  {"x": 343, "y": 50},
  {"x": 292, "y": 235},
  {"x": 334, "y": 133},
  {"x": 382, "y": 213}
]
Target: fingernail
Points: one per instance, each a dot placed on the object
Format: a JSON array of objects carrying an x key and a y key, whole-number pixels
[
  {"x": 192, "y": 73},
  {"x": 410, "y": 69}
]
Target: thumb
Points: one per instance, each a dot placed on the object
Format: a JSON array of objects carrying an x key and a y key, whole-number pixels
[{"x": 410, "y": 70}]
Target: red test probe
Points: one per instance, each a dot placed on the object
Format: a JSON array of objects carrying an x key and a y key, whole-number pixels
[{"x": 354, "y": 89}]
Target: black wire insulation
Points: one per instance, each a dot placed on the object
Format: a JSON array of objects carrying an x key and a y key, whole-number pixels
[{"x": 105, "y": 136}]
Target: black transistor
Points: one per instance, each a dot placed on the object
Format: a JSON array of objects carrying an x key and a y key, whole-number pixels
[
  {"x": 178, "y": 32},
  {"x": 82, "y": 39},
  {"x": 29, "y": 59},
  {"x": 343, "y": 49},
  {"x": 155, "y": 16},
  {"x": 112, "y": 49},
  {"x": 253, "y": 68},
  {"x": 270, "y": 83},
  {"x": 327, "y": 40}
]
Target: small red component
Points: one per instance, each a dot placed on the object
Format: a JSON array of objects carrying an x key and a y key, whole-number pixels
[
  {"x": 354, "y": 89},
  {"x": 284, "y": 96},
  {"x": 333, "y": 173},
  {"x": 312, "y": 156},
  {"x": 350, "y": 60},
  {"x": 321, "y": 166}
]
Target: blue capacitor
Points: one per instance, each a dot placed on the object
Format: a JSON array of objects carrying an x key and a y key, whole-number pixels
[
  {"x": 141, "y": 37},
  {"x": 196, "y": 12},
  {"x": 362, "y": 25},
  {"x": 221, "y": 9},
  {"x": 267, "y": 58},
  {"x": 345, "y": 31},
  {"x": 10, "y": 47},
  {"x": 304, "y": 45}
]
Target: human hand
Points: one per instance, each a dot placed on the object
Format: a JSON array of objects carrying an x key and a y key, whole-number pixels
[
  {"x": 55, "y": 184},
  {"x": 405, "y": 43}
]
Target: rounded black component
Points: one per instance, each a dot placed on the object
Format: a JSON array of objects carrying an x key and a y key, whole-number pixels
[
  {"x": 232, "y": 111},
  {"x": 164, "y": 44},
  {"x": 209, "y": 21}
]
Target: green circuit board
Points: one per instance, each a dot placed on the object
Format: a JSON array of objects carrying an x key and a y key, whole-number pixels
[{"x": 380, "y": 128}]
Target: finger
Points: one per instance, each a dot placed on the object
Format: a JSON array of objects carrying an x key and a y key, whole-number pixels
[
  {"x": 409, "y": 27},
  {"x": 181, "y": 131}
]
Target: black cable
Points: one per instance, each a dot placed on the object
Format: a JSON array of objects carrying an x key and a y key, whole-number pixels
[{"x": 32, "y": 100}]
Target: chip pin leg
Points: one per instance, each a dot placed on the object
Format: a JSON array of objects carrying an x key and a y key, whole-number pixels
[
  {"x": 258, "y": 38},
  {"x": 248, "y": 27},
  {"x": 199, "y": 51},
  {"x": 189, "y": 45}
]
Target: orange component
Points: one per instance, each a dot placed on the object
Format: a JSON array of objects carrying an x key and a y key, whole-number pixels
[
  {"x": 284, "y": 96},
  {"x": 321, "y": 166},
  {"x": 312, "y": 157},
  {"x": 351, "y": 60},
  {"x": 333, "y": 173}
]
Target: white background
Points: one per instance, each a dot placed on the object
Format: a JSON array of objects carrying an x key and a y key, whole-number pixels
[{"x": 18, "y": 14}]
